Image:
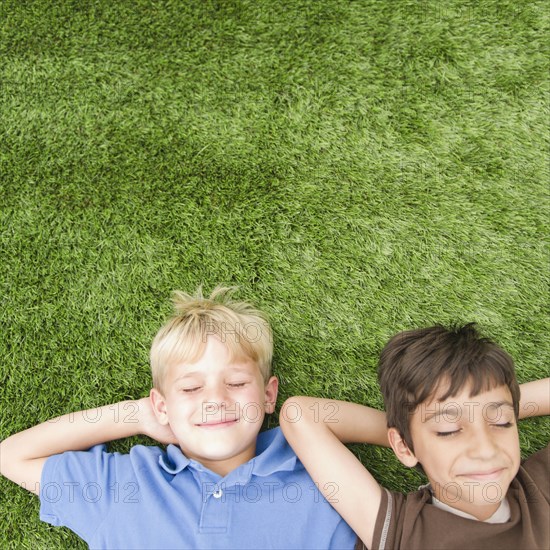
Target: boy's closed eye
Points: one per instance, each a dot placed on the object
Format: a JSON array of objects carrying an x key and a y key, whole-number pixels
[
  {"x": 191, "y": 389},
  {"x": 447, "y": 434},
  {"x": 503, "y": 425},
  {"x": 450, "y": 433},
  {"x": 195, "y": 388}
]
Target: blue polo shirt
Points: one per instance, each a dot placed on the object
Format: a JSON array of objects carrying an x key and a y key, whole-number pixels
[{"x": 156, "y": 499}]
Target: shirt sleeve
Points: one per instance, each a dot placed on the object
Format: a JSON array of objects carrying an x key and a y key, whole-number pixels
[
  {"x": 389, "y": 520},
  {"x": 538, "y": 466},
  {"x": 77, "y": 489}
]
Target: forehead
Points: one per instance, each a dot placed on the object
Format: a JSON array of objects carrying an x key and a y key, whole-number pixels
[
  {"x": 434, "y": 408},
  {"x": 216, "y": 358}
]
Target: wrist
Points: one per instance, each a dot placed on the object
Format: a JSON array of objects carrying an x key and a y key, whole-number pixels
[{"x": 146, "y": 416}]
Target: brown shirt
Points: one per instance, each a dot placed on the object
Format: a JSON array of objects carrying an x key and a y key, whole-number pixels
[{"x": 412, "y": 522}]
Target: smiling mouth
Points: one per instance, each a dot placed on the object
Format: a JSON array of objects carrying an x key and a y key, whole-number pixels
[
  {"x": 217, "y": 425},
  {"x": 491, "y": 475}
]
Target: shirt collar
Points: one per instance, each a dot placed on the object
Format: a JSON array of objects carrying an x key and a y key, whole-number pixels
[
  {"x": 501, "y": 514},
  {"x": 273, "y": 454},
  {"x": 173, "y": 461}
]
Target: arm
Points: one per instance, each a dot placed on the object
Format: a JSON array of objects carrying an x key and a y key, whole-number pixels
[
  {"x": 316, "y": 429},
  {"x": 22, "y": 455},
  {"x": 535, "y": 398}
]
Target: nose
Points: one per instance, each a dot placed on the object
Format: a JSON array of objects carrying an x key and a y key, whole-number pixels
[
  {"x": 215, "y": 397},
  {"x": 482, "y": 444},
  {"x": 216, "y": 404}
]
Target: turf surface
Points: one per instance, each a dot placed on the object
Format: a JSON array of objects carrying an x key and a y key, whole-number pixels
[{"x": 355, "y": 167}]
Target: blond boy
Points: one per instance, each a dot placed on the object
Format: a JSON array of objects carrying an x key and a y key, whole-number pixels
[{"x": 219, "y": 484}]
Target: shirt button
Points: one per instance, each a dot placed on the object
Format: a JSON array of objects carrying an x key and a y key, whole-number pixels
[{"x": 217, "y": 493}]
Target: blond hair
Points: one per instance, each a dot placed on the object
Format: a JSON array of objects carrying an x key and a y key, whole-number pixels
[{"x": 244, "y": 330}]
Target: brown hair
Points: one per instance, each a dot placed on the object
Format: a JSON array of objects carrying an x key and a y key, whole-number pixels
[{"x": 414, "y": 363}]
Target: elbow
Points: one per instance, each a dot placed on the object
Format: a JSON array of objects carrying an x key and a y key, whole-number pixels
[
  {"x": 6, "y": 458},
  {"x": 10, "y": 458}
]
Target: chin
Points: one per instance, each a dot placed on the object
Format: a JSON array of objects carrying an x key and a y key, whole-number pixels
[{"x": 218, "y": 453}]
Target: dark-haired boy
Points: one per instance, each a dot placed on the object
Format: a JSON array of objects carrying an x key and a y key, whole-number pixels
[{"x": 452, "y": 404}]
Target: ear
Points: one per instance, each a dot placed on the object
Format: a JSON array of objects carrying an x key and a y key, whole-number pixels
[
  {"x": 158, "y": 404},
  {"x": 271, "y": 389},
  {"x": 401, "y": 449}
]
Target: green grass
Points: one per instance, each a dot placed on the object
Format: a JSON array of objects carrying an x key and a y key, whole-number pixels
[{"x": 356, "y": 168}]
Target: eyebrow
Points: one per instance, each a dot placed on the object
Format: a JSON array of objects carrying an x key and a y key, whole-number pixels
[
  {"x": 498, "y": 405},
  {"x": 201, "y": 373},
  {"x": 452, "y": 410},
  {"x": 188, "y": 375},
  {"x": 440, "y": 411}
]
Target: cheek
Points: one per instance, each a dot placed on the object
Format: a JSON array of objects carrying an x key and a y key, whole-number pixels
[
  {"x": 433, "y": 457},
  {"x": 180, "y": 406},
  {"x": 252, "y": 404},
  {"x": 251, "y": 394},
  {"x": 516, "y": 454},
  {"x": 260, "y": 399}
]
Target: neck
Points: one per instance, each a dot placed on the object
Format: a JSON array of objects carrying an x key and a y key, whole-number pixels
[
  {"x": 480, "y": 512},
  {"x": 225, "y": 466}
]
